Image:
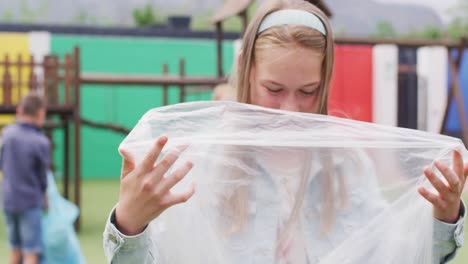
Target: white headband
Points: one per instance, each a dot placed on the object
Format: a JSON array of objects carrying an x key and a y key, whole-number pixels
[{"x": 292, "y": 17}]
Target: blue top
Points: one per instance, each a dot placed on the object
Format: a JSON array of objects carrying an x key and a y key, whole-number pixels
[{"x": 24, "y": 160}]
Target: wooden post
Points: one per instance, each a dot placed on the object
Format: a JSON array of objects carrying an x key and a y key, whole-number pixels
[
  {"x": 48, "y": 133},
  {"x": 66, "y": 156},
  {"x": 47, "y": 76},
  {"x": 20, "y": 82},
  {"x": 32, "y": 75},
  {"x": 182, "y": 75},
  {"x": 53, "y": 95},
  {"x": 219, "y": 49},
  {"x": 77, "y": 125},
  {"x": 165, "y": 70},
  {"x": 67, "y": 78},
  {"x": 7, "y": 82}
]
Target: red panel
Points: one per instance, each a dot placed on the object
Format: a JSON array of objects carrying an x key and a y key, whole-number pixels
[{"x": 351, "y": 87}]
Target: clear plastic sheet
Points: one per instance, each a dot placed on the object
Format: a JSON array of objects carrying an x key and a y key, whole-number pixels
[{"x": 284, "y": 187}]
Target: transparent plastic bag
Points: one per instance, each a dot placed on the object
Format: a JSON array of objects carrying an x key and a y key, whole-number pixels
[{"x": 285, "y": 187}]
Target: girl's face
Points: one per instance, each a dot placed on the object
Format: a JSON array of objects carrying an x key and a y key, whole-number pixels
[{"x": 287, "y": 79}]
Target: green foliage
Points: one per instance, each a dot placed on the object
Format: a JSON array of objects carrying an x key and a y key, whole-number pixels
[
  {"x": 29, "y": 15},
  {"x": 429, "y": 32},
  {"x": 144, "y": 17},
  {"x": 432, "y": 32},
  {"x": 384, "y": 29},
  {"x": 457, "y": 28},
  {"x": 26, "y": 14},
  {"x": 7, "y": 16},
  {"x": 459, "y": 25},
  {"x": 83, "y": 18}
]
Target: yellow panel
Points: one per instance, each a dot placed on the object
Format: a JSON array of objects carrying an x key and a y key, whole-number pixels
[{"x": 14, "y": 44}]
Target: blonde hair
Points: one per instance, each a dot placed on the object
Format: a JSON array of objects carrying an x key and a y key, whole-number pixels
[{"x": 285, "y": 35}]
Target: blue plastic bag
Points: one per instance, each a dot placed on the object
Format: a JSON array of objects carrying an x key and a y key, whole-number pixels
[{"x": 61, "y": 244}]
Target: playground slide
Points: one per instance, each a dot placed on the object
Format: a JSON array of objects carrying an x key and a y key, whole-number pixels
[
  {"x": 385, "y": 84},
  {"x": 351, "y": 89},
  {"x": 432, "y": 76},
  {"x": 407, "y": 88}
]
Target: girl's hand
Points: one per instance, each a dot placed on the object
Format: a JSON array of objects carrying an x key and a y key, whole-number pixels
[
  {"x": 144, "y": 190},
  {"x": 448, "y": 199}
]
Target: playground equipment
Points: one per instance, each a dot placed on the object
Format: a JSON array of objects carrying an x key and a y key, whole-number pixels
[{"x": 61, "y": 82}]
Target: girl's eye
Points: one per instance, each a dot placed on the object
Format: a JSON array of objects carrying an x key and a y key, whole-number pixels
[
  {"x": 314, "y": 92},
  {"x": 272, "y": 90}
]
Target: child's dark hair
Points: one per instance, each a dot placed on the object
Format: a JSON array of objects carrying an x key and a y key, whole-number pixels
[{"x": 32, "y": 103}]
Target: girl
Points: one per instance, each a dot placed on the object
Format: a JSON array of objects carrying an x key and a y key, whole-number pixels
[{"x": 286, "y": 63}]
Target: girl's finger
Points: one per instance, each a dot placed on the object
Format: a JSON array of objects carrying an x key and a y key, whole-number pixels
[
  {"x": 128, "y": 163},
  {"x": 432, "y": 198},
  {"x": 465, "y": 171},
  {"x": 173, "y": 199},
  {"x": 175, "y": 177},
  {"x": 450, "y": 176},
  {"x": 458, "y": 165},
  {"x": 164, "y": 165},
  {"x": 438, "y": 184},
  {"x": 153, "y": 154}
]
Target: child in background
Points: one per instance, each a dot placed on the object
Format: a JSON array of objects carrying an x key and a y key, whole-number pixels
[{"x": 25, "y": 159}]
